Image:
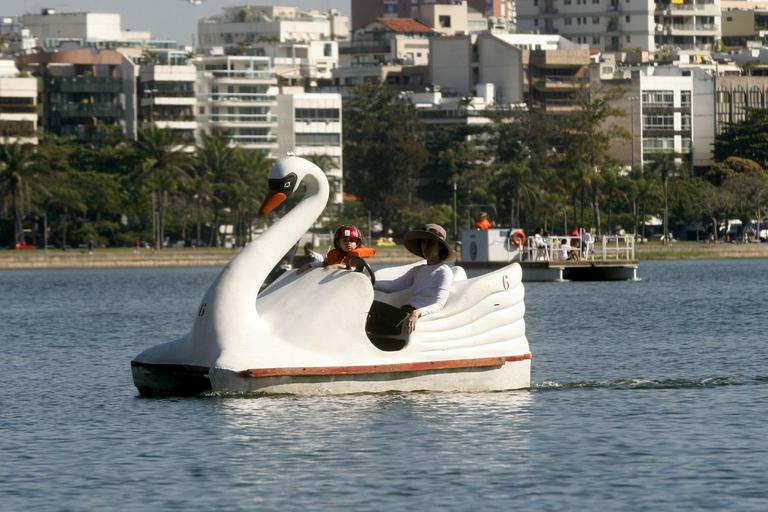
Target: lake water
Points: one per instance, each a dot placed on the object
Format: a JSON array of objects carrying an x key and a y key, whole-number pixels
[{"x": 647, "y": 396}]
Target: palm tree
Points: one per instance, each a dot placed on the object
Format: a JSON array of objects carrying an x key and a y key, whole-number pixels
[
  {"x": 19, "y": 175},
  {"x": 216, "y": 163},
  {"x": 665, "y": 166},
  {"x": 162, "y": 167}
]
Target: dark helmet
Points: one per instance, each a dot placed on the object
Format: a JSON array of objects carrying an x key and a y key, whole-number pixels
[{"x": 349, "y": 231}]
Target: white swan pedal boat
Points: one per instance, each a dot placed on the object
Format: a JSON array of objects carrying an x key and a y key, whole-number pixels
[{"x": 305, "y": 334}]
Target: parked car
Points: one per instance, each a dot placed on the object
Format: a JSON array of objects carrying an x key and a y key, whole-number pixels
[{"x": 25, "y": 246}]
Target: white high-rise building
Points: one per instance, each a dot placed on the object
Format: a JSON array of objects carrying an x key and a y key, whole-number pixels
[
  {"x": 18, "y": 105},
  {"x": 238, "y": 95},
  {"x": 310, "y": 126},
  {"x": 100, "y": 30},
  {"x": 166, "y": 92},
  {"x": 616, "y": 25},
  {"x": 249, "y": 24}
]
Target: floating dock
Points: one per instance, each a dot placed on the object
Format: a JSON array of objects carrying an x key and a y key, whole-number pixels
[{"x": 551, "y": 258}]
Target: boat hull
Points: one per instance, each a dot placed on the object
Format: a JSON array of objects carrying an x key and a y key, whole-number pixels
[
  {"x": 170, "y": 379},
  {"x": 512, "y": 373}
]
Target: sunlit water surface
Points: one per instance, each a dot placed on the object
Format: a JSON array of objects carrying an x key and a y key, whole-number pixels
[{"x": 647, "y": 396}]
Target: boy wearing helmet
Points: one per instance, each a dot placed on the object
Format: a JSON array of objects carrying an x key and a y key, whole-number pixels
[{"x": 347, "y": 241}]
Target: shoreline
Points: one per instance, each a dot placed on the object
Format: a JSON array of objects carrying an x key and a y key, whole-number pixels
[{"x": 144, "y": 258}]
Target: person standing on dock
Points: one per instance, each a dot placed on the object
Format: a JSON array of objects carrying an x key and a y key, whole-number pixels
[{"x": 482, "y": 223}]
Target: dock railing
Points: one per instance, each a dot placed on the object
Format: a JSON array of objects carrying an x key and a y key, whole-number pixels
[{"x": 609, "y": 248}]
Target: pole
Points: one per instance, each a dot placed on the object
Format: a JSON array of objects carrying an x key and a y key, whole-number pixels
[
  {"x": 455, "y": 213},
  {"x": 45, "y": 231},
  {"x": 565, "y": 222},
  {"x": 369, "y": 227}
]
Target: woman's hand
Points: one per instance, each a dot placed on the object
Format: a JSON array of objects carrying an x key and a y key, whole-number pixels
[
  {"x": 409, "y": 324},
  {"x": 303, "y": 268}
]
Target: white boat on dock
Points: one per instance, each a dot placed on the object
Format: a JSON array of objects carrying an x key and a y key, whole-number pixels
[{"x": 549, "y": 258}]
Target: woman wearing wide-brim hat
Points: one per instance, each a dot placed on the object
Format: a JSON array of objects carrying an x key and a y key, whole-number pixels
[{"x": 431, "y": 284}]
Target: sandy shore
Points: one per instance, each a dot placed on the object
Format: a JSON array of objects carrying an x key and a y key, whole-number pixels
[{"x": 129, "y": 258}]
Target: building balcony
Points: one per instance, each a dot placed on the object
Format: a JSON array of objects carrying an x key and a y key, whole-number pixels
[
  {"x": 18, "y": 109},
  {"x": 87, "y": 110},
  {"x": 241, "y": 98},
  {"x": 242, "y": 74},
  {"x": 253, "y": 139},
  {"x": 85, "y": 84},
  {"x": 17, "y": 129},
  {"x": 243, "y": 119},
  {"x": 559, "y": 83},
  {"x": 365, "y": 47}
]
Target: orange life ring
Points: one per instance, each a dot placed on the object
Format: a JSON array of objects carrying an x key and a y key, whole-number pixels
[{"x": 518, "y": 238}]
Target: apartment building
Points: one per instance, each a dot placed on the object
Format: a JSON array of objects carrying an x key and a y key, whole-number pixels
[
  {"x": 310, "y": 126},
  {"x": 744, "y": 22},
  {"x": 84, "y": 93},
  {"x": 543, "y": 71},
  {"x": 734, "y": 95},
  {"x": 614, "y": 25},
  {"x": 52, "y": 29},
  {"x": 166, "y": 92},
  {"x": 238, "y": 95},
  {"x": 17, "y": 38},
  {"x": 250, "y": 24},
  {"x": 500, "y": 12},
  {"x": 387, "y": 41},
  {"x": 18, "y": 105},
  {"x": 668, "y": 110}
]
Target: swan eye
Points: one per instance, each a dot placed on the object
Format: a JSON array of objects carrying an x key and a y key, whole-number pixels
[{"x": 284, "y": 185}]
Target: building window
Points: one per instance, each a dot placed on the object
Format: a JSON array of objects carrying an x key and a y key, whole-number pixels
[
  {"x": 685, "y": 122},
  {"x": 567, "y": 21},
  {"x": 659, "y": 121},
  {"x": 536, "y": 22},
  {"x": 659, "y": 98},
  {"x": 318, "y": 139},
  {"x": 626, "y": 18},
  {"x": 628, "y": 39},
  {"x": 658, "y": 144},
  {"x": 685, "y": 98},
  {"x": 328, "y": 50},
  {"x": 567, "y": 2},
  {"x": 595, "y": 20},
  {"x": 317, "y": 114},
  {"x": 444, "y": 21},
  {"x": 595, "y": 40}
]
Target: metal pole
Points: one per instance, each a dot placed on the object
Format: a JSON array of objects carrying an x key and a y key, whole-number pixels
[
  {"x": 455, "y": 213},
  {"x": 565, "y": 222}
]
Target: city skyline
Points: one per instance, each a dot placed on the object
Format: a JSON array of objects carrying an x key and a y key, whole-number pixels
[{"x": 165, "y": 19}]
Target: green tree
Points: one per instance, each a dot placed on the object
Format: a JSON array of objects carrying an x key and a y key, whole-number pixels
[
  {"x": 384, "y": 150},
  {"x": 746, "y": 139},
  {"x": 163, "y": 166},
  {"x": 588, "y": 136},
  {"x": 20, "y": 178}
]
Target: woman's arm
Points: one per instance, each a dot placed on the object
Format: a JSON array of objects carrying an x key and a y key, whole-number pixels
[{"x": 397, "y": 284}]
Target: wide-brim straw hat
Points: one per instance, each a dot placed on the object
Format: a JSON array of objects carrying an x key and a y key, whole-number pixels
[{"x": 435, "y": 232}]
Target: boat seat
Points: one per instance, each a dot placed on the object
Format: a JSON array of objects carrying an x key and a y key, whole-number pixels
[{"x": 459, "y": 274}]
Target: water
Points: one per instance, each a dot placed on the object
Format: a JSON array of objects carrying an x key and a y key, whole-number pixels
[{"x": 647, "y": 396}]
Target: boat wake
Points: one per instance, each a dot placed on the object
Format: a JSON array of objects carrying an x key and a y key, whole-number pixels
[{"x": 703, "y": 382}]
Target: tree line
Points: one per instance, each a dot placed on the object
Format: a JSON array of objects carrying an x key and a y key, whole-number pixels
[
  {"x": 543, "y": 169},
  {"x": 528, "y": 169}
]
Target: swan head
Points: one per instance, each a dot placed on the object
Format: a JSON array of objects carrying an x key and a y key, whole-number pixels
[{"x": 284, "y": 179}]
